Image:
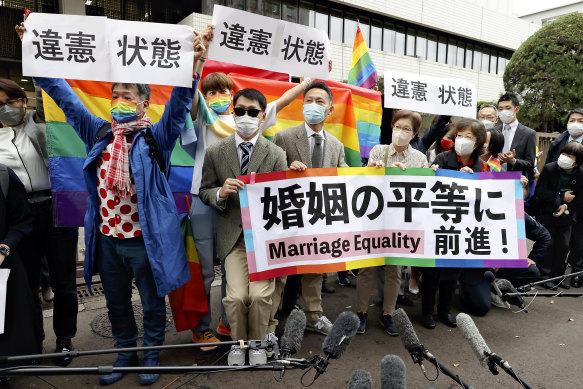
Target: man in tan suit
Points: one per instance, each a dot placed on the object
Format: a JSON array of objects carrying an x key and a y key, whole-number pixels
[
  {"x": 247, "y": 304},
  {"x": 309, "y": 146}
]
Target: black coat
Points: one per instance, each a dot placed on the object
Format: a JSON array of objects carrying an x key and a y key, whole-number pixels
[
  {"x": 556, "y": 147},
  {"x": 524, "y": 142},
  {"x": 548, "y": 198},
  {"x": 448, "y": 160}
]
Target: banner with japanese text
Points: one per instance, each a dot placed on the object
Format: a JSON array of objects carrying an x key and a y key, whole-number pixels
[
  {"x": 245, "y": 38},
  {"x": 99, "y": 49},
  {"x": 440, "y": 96},
  {"x": 328, "y": 220}
]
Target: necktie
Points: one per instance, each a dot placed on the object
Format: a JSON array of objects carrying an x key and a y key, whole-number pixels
[
  {"x": 506, "y": 139},
  {"x": 318, "y": 152},
  {"x": 246, "y": 148}
]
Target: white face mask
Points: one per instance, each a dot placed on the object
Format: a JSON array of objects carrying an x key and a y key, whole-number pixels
[
  {"x": 565, "y": 162},
  {"x": 575, "y": 129},
  {"x": 246, "y": 125},
  {"x": 401, "y": 138},
  {"x": 506, "y": 116},
  {"x": 464, "y": 146},
  {"x": 488, "y": 124}
]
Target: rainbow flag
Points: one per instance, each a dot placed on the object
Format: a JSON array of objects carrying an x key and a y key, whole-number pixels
[
  {"x": 362, "y": 71},
  {"x": 494, "y": 164},
  {"x": 67, "y": 151},
  {"x": 189, "y": 303},
  {"x": 368, "y": 112},
  {"x": 341, "y": 124}
]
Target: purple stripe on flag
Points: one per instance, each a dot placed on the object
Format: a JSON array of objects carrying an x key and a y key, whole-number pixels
[
  {"x": 503, "y": 263},
  {"x": 499, "y": 176},
  {"x": 365, "y": 151}
]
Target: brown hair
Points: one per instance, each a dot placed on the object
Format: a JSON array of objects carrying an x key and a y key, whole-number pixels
[
  {"x": 215, "y": 81},
  {"x": 411, "y": 115},
  {"x": 575, "y": 149},
  {"x": 477, "y": 129},
  {"x": 12, "y": 89}
]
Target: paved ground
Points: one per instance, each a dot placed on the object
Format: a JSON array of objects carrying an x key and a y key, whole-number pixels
[{"x": 544, "y": 347}]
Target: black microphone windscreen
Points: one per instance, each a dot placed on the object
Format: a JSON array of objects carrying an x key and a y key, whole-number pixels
[
  {"x": 393, "y": 373},
  {"x": 341, "y": 334},
  {"x": 489, "y": 276},
  {"x": 405, "y": 330},
  {"x": 474, "y": 338},
  {"x": 505, "y": 286},
  {"x": 360, "y": 379},
  {"x": 293, "y": 333}
]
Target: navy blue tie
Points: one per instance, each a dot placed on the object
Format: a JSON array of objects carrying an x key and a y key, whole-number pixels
[{"x": 246, "y": 148}]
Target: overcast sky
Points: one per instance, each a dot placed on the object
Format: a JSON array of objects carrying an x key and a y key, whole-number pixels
[{"x": 523, "y": 7}]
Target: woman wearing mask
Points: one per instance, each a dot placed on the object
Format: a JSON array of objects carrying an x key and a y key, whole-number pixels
[
  {"x": 470, "y": 136},
  {"x": 492, "y": 147},
  {"x": 559, "y": 197},
  {"x": 399, "y": 153}
]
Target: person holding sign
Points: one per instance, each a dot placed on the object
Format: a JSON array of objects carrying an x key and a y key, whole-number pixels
[
  {"x": 248, "y": 304},
  {"x": 309, "y": 146},
  {"x": 213, "y": 121},
  {"x": 470, "y": 136},
  {"x": 400, "y": 153},
  {"x": 132, "y": 229}
]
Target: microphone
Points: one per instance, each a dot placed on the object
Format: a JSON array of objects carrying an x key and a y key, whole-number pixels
[
  {"x": 409, "y": 338},
  {"x": 341, "y": 334},
  {"x": 293, "y": 334},
  {"x": 360, "y": 379},
  {"x": 393, "y": 373},
  {"x": 505, "y": 287},
  {"x": 491, "y": 278}
]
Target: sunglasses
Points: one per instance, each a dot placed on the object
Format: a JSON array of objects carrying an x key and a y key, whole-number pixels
[{"x": 253, "y": 112}]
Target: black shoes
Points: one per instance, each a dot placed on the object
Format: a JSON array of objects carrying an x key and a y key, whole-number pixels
[
  {"x": 63, "y": 345},
  {"x": 565, "y": 284},
  {"x": 549, "y": 285},
  {"x": 576, "y": 282},
  {"x": 447, "y": 319},
  {"x": 427, "y": 321}
]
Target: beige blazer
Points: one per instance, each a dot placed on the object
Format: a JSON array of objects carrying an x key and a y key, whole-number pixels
[
  {"x": 221, "y": 162},
  {"x": 294, "y": 141}
]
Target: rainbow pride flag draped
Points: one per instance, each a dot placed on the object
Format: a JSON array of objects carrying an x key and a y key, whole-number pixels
[
  {"x": 362, "y": 71},
  {"x": 67, "y": 151},
  {"x": 341, "y": 124},
  {"x": 189, "y": 303},
  {"x": 368, "y": 111},
  {"x": 494, "y": 164}
]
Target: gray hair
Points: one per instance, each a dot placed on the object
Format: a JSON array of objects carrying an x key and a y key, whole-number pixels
[{"x": 488, "y": 106}]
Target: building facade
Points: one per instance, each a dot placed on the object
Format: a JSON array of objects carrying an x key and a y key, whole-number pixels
[{"x": 548, "y": 15}]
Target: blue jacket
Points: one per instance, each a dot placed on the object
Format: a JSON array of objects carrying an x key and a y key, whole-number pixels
[{"x": 156, "y": 207}]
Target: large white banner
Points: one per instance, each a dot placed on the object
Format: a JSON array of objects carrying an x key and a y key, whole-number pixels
[
  {"x": 440, "y": 96},
  {"x": 247, "y": 39},
  {"x": 337, "y": 219},
  {"x": 100, "y": 49}
]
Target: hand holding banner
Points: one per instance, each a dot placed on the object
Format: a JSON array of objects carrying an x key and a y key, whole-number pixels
[
  {"x": 248, "y": 39},
  {"x": 440, "y": 96}
]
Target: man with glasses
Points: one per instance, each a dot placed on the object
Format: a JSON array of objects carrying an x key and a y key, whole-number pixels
[
  {"x": 247, "y": 304},
  {"x": 309, "y": 146},
  {"x": 488, "y": 115}
]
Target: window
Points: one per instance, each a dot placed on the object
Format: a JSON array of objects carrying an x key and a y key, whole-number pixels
[
  {"x": 502, "y": 62},
  {"x": 411, "y": 34},
  {"x": 307, "y": 13},
  {"x": 485, "y": 59},
  {"x": 432, "y": 47},
  {"x": 421, "y": 45},
  {"x": 289, "y": 11},
  {"x": 336, "y": 25},
  {"x": 389, "y": 38},
  {"x": 376, "y": 35},
  {"x": 349, "y": 28},
  {"x": 400, "y": 40},
  {"x": 442, "y": 50},
  {"x": 477, "y": 65},
  {"x": 238, "y": 4},
  {"x": 452, "y": 52},
  {"x": 365, "y": 29},
  {"x": 469, "y": 55},
  {"x": 254, "y": 6},
  {"x": 321, "y": 19},
  {"x": 461, "y": 53},
  {"x": 493, "y": 61},
  {"x": 271, "y": 8}
]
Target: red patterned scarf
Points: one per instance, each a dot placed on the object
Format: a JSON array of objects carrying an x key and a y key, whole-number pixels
[{"x": 117, "y": 178}]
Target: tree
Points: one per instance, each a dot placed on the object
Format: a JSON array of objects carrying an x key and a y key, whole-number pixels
[{"x": 547, "y": 71}]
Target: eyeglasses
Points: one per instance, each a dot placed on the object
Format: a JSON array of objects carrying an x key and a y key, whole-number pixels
[
  {"x": 253, "y": 112},
  {"x": 399, "y": 128},
  {"x": 11, "y": 103},
  {"x": 489, "y": 117}
]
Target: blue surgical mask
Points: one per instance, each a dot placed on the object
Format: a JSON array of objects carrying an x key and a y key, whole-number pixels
[{"x": 314, "y": 113}]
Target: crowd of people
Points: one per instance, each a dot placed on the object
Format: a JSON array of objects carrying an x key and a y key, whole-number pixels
[{"x": 132, "y": 229}]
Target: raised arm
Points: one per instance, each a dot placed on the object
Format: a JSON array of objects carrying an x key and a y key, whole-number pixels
[
  {"x": 39, "y": 113},
  {"x": 291, "y": 94},
  {"x": 437, "y": 131}
]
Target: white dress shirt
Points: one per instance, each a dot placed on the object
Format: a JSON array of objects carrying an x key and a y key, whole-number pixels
[
  {"x": 512, "y": 132},
  {"x": 238, "y": 141},
  {"x": 311, "y": 140}
]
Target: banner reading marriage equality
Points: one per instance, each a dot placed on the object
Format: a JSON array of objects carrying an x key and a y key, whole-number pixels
[{"x": 327, "y": 220}]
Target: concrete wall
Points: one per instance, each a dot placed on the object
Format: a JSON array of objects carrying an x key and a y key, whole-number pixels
[
  {"x": 538, "y": 17},
  {"x": 72, "y": 7}
]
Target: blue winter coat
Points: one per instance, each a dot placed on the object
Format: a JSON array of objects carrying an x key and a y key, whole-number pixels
[{"x": 156, "y": 207}]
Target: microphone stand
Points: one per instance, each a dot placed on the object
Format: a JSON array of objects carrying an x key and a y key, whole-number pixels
[
  {"x": 420, "y": 353},
  {"x": 527, "y": 287},
  {"x": 542, "y": 294},
  {"x": 494, "y": 360}
]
